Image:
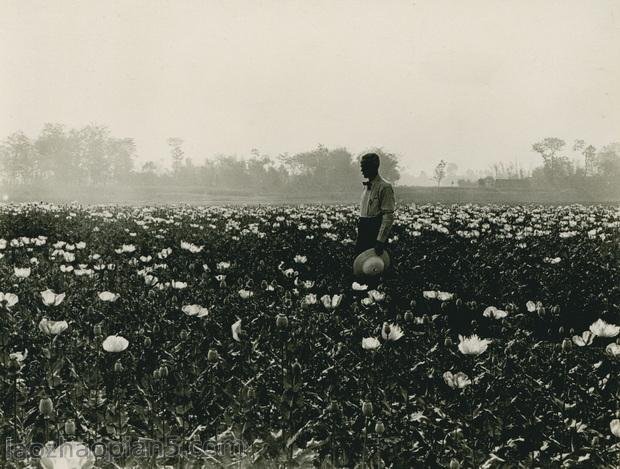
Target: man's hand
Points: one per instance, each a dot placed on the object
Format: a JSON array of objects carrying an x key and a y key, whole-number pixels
[{"x": 379, "y": 248}]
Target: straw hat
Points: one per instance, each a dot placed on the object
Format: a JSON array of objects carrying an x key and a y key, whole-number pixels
[{"x": 368, "y": 263}]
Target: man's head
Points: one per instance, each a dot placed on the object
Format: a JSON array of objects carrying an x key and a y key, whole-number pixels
[{"x": 370, "y": 165}]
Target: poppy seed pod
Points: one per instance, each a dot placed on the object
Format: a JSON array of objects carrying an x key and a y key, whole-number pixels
[
  {"x": 147, "y": 341},
  {"x": 156, "y": 374},
  {"x": 408, "y": 316},
  {"x": 367, "y": 408},
  {"x": 97, "y": 330},
  {"x": 379, "y": 427},
  {"x": 183, "y": 335},
  {"x": 118, "y": 367},
  {"x": 46, "y": 407},
  {"x": 566, "y": 345},
  {"x": 163, "y": 371},
  {"x": 213, "y": 356},
  {"x": 70, "y": 427},
  {"x": 448, "y": 342},
  {"x": 281, "y": 321},
  {"x": 151, "y": 294}
]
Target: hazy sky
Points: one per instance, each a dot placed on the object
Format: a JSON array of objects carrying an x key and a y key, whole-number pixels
[{"x": 472, "y": 82}]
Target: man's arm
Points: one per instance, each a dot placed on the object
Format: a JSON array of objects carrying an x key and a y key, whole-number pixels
[{"x": 387, "y": 206}]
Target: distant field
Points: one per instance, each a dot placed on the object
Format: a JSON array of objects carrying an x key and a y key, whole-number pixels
[{"x": 201, "y": 195}]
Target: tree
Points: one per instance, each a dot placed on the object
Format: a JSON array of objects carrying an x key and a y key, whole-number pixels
[
  {"x": 19, "y": 158},
  {"x": 549, "y": 149},
  {"x": 91, "y": 146},
  {"x": 121, "y": 152},
  {"x": 440, "y": 172},
  {"x": 177, "y": 153},
  {"x": 54, "y": 155},
  {"x": 608, "y": 162}
]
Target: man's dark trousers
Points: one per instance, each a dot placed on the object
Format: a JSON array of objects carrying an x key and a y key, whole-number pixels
[{"x": 367, "y": 231}]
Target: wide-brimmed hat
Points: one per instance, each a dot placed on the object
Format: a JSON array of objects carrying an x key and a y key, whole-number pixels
[{"x": 368, "y": 263}]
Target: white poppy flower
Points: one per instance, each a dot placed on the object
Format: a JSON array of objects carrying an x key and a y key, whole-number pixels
[
  {"x": 391, "y": 332},
  {"x": 584, "y": 339},
  {"x": 52, "y": 299},
  {"x": 473, "y": 345},
  {"x": 602, "y": 329},
  {"x": 108, "y": 296},
  {"x": 115, "y": 344},
  {"x": 236, "y": 329},
  {"x": 370, "y": 343}
]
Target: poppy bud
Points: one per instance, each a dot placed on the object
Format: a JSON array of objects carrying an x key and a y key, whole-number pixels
[
  {"x": 426, "y": 319},
  {"x": 151, "y": 294},
  {"x": 147, "y": 341},
  {"x": 97, "y": 330},
  {"x": 183, "y": 334},
  {"x": 458, "y": 302},
  {"x": 281, "y": 321},
  {"x": 555, "y": 310},
  {"x": 163, "y": 371},
  {"x": 213, "y": 356},
  {"x": 473, "y": 304},
  {"x": 367, "y": 408},
  {"x": 444, "y": 306},
  {"x": 70, "y": 427},
  {"x": 379, "y": 427},
  {"x": 156, "y": 374},
  {"x": 448, "y": 342},
  {"x": 46, "y": 407},
  {"x": 595, "y": 441},
  {"x": 566, "y": 345},
  {"x": 412, "y": 303},
  {"x": 408, "y": 316},
  {"x": 251, "y": 392},
  {"x": 454, "y": 464},
  {"x": 296, "y": 369},
  {"x": 118, "y": 367},
  {"x": 561, "y": 330}
]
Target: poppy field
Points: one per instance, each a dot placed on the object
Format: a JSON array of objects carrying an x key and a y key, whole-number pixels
[{"x": 237, "y": 336}]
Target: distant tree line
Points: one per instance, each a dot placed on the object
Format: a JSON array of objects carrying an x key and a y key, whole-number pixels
[{"x": 92, "y": 156}]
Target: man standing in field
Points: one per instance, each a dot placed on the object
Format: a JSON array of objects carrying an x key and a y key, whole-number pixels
[{"x": 376, "y": 209}]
